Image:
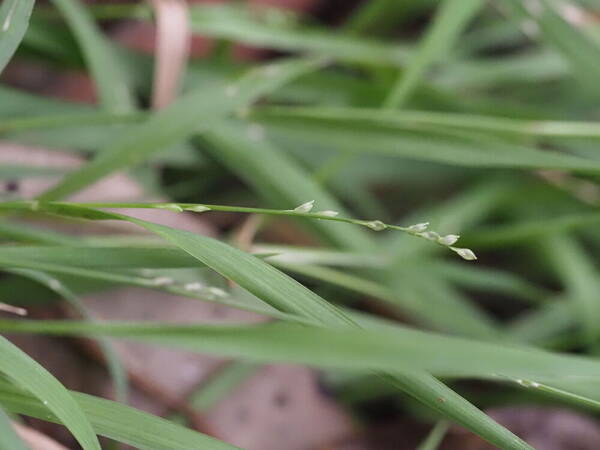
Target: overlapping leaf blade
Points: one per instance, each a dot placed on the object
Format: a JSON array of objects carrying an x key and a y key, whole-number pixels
[
  {"x": 196, "y": 110},
  {"x": 119, "y": 422},
  {"x": 14, "y": 19},
  {"x": 289, "y": 296},
  {"x": 24, "y": 371},
  {"x": 9, "y": 440},
  {"x": 113, "y": 87}
]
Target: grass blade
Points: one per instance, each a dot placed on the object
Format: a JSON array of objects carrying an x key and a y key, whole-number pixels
[
  {"x": 24, "y": 371},
  {"x": 385, "y": 348},
  {"x": 443, "y": 309},
  {"x": 435, "y": 436},
  {"x": 9, "y": 440},
  {"x": 289, "y": 296},
  {"x": 542, "y": 324},
  {"x": 451, "y": 17},
  {"x": 453, "y": 121},
  {"x": 113, "y": 89},
  {"x": 582, "y": 52},
  {"x": 14, "y": 19},
  {"x": 240, "y": 25},
  {"x": 90, "y": 257},
  {"x": 113, "y": 363},
  {"x": 433, "y": 144},
  {"x": 199, "y": 108},
  {"x": 119, "y": 422},
  {"x": 579, "y": 277}
]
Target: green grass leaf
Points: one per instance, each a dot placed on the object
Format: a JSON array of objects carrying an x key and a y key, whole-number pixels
[
  {"x": 119, "y": 422},
  {"x": 421, "y": 143},
  {"x": 110, "y": 278},
  {"x": 544, "y": 323},
  {"x": 257, "y": 29},
  {"x": 443, "y": 309},
  {"x": 529, "y": 230},
  {"x": 91, "y": 257},
  {"x": 435, "y": 436},
  {"x": 289, "y": 296},
  {"x": 193, "y": 112},
  {"x": 112, "y": 85},
  {"x": 9, "y": 440},
  {"x": 14, "y": 19},
  {"x": 24, "y": 371},
  {"x": 386, "y": 348},
  {"x": 111, "y": 357},
  {"x": 576, "y": 270},
  {"x": 578, "y": 49},
  {"x": 407, "y": 120},
  {"x": 451, "y": 17}
]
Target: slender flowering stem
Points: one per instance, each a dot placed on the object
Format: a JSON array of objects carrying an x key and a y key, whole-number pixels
[{"x": 302, "y": 211}]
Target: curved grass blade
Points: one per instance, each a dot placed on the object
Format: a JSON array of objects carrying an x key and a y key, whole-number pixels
[
  {"x": 573, "y": 398},
  {"x": 113, "y": 278},
  {"x": 9, "y": 440},
  {"x": 460, "y": 212},
  {"x": 576, "y": 270},
  {"x": 485, "y": 279},
  {"x": 582, "y": 53},
  {"x": 440, "y": 398},
  {"x": 119, "y": 422},
  {"x": 266, "y": 29},
  {"x": 289, "y": 296},
  {"x": 365, "y": 14},
  {"x": 196, "y": 110},
  {"x": 542, "y": 324},
  {"x": 113, "y": 363},
  {"x": 444, "y": 307},
  {"x": 21, "y": 232},
  {"x": 90, "y": 257},
  {"x": 530, "y": 230},
  {"x": 112, "y": 85},
  {"x": 24, "y": 371},
  {"x": 405, "y": 119},
  {"x": 435, "y": 436},
  {"x": 391, "y": 349},
  {"x": 222, "y": 384},
  {"x": 253, "y": 274},
  {"x": 424, "y": 143},
  {"x": 17, "y": 103},
  {"x": 447, "y": 312},
  {"x": 451, "y": 17},
  {"x": 241, "y": 25},
  {"x": 14, "y": 19}
]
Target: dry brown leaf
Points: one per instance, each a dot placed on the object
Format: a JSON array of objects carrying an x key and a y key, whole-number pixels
[{"x": 171, "y": 49}]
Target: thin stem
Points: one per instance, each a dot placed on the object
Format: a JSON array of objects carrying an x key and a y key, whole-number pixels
[
  {"x": 303, "y": 211},
  {"x": 435, "y": 436}
]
